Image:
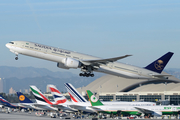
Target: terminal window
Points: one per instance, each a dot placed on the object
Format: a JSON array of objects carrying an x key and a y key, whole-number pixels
[
  {"x": 126, "y": 98},
  {"x": 106, "y": 98},
  {"x": 174, "y": 99},
  {"x": 150, "y": 98}
]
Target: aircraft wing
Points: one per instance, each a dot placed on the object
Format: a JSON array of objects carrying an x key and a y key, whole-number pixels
[
  {"x": 76, "y": 106},
  {"x": 103, "y": 61},
  {"x": 58, "y": 106},
  {"x": 149, "y": 111},
  {"x": 95, "y": 108},
  {"x": 25, "y": 105},
  {"x": 143, "y": 110},
  {"x": 39, "y": 105}
]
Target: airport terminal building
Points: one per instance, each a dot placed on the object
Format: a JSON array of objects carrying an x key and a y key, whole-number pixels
[{"x": 112, "y": 88}]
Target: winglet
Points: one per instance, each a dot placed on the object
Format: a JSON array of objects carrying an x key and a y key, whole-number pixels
[
  {"x": 22, "y": 98},
  {"x": 94, "y": 101},
  {"x": 159, "y": 64}
]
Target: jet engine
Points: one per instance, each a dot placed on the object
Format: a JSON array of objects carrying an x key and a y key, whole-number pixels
[
  {"x": 61, "y": 65},
  {"x": 69, "y": 63}
]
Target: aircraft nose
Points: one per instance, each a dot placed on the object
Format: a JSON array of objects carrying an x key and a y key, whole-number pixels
[{"x": 7, "y": 45}]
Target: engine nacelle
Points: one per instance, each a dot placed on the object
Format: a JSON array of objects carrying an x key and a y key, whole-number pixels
[
  {"x": 71, "y": 63},
  {"x": 61, "y": 65}
]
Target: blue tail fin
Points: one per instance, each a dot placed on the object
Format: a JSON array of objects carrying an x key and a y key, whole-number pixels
[
  {"x": 6, "y": 103},
  {"x": 22, "y": 98},
  {"x": 159, "y": 64}
]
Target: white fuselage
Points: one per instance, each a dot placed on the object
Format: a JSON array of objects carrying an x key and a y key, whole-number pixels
[
  {"x": 58, "y": 55},
  {"x": 31, "y": 106},
  {"x": 86, "y": 106},
  {"x": 155, "y": 110}
]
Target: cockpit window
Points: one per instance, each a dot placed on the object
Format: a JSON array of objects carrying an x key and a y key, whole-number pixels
[{"x": 11, "y": 42}]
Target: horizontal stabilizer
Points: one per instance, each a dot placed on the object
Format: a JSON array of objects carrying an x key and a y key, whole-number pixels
[{"x": 161, "y": 75}]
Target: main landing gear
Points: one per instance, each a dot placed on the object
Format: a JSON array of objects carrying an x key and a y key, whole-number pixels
[
  {"x": 86, "y": 74},
  {"x": 87, "y": 71}
]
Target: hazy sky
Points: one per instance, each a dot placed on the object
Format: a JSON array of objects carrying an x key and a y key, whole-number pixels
[{"x": 145, "y": 29}]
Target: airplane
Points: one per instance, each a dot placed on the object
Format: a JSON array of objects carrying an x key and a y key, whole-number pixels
[
  {"x": 132, "y": 110},
  {"x": 66, "y": 59},
  {"x": 76, "y": 97},
  {"x": 7, "y": 103},
  {"x": 41, "y": 100},
  {"x": 80, "y": 101},
  {"x": 61, "y": 101},
  {"x": 26, "y": 102}
]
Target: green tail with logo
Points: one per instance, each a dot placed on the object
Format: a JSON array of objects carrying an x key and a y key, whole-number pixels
[{"x": 94, "y": 101}]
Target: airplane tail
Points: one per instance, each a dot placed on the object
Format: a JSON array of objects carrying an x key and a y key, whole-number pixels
[
  {"x": 74, "y": 94},
  {"x": 6, "y": 103},
  {"x": 94, "y": 101},
  {"x": 58, "y": 97},
  {"x": 22, "y": 98},
  {"x": 40, "y": 98},
  {"x": 159, "y": 64}
]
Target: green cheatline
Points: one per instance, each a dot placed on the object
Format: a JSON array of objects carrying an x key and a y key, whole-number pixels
[
  {"x": 34, "y": 91},
  {"x": 169, "y": 112}
]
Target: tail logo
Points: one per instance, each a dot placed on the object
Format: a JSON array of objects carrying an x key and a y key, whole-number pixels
[
  {"x": 21, "y": 97},
  {"x": 158, "y": 65},
  {"x": 93, "y": 98}
]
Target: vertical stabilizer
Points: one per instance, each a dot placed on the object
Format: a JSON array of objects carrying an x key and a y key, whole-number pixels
[
  {"x": 22, "y": 98},
  {"x": 94, "y": 101},
  {"x": 6, "y": 103},
  {"x": 159, "y": 64},
  {"x": 58, "y": 97},
  {"x": 40, "y": 98},
  {"x": 74, "y": 94}
]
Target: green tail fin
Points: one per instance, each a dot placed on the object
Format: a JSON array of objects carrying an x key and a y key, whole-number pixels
[{"x": 94, "y": 101}]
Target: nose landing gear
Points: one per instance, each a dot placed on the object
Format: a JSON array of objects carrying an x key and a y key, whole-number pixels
[{"x": 16, "y": 58}]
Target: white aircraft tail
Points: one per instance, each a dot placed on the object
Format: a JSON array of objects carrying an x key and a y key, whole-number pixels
[
  {"x": 58, "y": 97},
  {"x": 40, "y": 98},
  {"x": 74, "y": 94}
]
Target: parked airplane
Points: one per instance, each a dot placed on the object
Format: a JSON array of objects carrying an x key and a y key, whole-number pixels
[
  {"x": 79, "y": 100},
  {"x": 8, "y": 104},
  {"x": 76, "y": 97},
  {"x": 68, "y": 59},
  {"x": 61, "y": 101},
  {"x": 26, "y": 102},
  {"x": 132, "y": 110},
  {"x": 41, "y": 100}
]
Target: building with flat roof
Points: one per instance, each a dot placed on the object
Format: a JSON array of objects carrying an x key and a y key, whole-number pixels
[{"x": 109, "y": 88}]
